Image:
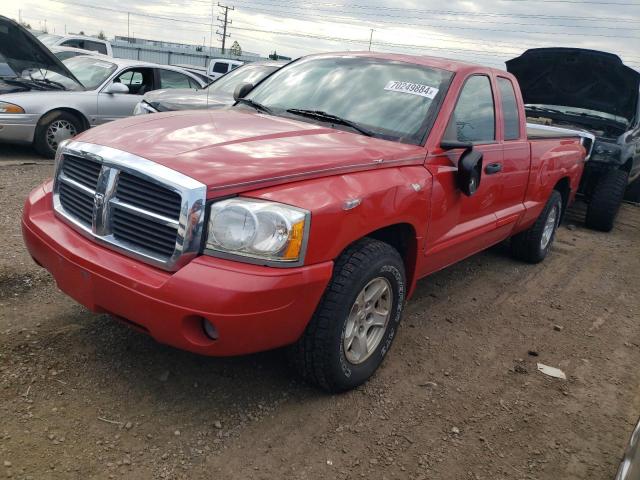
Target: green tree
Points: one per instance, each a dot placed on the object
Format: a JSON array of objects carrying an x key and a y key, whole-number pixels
[
  {"x": 102, "y": 36},
  {"x": 236, "y": 49}
]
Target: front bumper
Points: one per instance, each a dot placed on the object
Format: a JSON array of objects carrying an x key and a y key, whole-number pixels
[
  {"x": 17, "y": 127},
  {"x": 254, "y": 308}
]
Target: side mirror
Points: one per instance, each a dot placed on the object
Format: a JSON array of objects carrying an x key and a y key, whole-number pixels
[
  {"x": 116, "y": 87},
  {"x": 242, "y": 90},
  {"x": 469, "y": 171}
]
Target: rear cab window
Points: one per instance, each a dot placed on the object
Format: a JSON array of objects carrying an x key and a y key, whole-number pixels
[
  {"x": 474, "y": 117},
  {"x": 510, "y": 111},
  {"x": 220, "y": 67}
]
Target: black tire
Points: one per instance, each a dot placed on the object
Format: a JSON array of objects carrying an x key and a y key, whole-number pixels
[
  {"x": 633, "y": 191},
  {"x": 606, "y": 199},
  {"x": 47, "y": 147},
  {"x": 531, "y": 245},
  {"x": 319, "y": 355}
]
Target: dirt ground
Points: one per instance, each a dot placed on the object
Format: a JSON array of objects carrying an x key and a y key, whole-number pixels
[{"x": 459, "y": 396}]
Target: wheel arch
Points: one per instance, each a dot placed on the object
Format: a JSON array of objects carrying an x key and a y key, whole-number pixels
[
  {"x": 73, "y": 111},
  {"x": 564, "y": 187},
  {"x": 402, "y": 237}
]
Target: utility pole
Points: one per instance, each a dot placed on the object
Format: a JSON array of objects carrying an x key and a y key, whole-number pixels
[
  {"x": 128, "y": 36},
  {"x": 370, "y": 39},
  {"x": 20, "y": 16},
  {"x": 224, "y": 22}
]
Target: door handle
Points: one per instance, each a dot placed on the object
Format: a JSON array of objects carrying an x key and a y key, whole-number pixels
[{"x": 493, "y": 168}]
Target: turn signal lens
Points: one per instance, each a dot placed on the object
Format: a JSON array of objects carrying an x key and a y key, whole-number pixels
[{"x": 6, "y": 107}]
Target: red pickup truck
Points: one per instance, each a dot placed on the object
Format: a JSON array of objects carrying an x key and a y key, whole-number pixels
[{"x": 304, "y": 215}]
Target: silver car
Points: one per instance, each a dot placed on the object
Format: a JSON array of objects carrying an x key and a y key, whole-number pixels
[
  {"x": 217, "y": 95},
  {"x": 44, "y": 101}
]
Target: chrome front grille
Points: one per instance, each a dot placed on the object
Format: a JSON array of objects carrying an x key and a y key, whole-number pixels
[{"x": 130, "y": 204}]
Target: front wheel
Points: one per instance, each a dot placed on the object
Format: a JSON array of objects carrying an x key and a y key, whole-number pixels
[
  {"x": 53, "y": 128},
  {"x": 357, "y": 319},
  {"x": 534, "y": 244}
]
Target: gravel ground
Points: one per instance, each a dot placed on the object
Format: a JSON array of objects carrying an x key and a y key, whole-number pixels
[{"x": 459, "y": 397}]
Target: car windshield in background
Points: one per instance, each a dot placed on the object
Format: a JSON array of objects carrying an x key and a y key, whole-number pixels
[
  {"x": 48, "y": 39},
  {"x": 580, "y": 111},
  {"x": 5, "y": 69},
  {"x": 90, "y": 71},
  {"x": 246, "y": 74},
  {"x": 388, "y": 99}
]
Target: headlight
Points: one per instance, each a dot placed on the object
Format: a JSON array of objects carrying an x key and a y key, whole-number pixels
[
  {"x": 603, "y": 151},
  {"x": 257, "y": 229},
  {"x": 6, "y": 107},
  {"x": 142, "y": 108}
]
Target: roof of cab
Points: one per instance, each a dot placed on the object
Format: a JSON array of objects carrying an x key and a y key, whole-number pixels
[{"x": 426, "y": 60}]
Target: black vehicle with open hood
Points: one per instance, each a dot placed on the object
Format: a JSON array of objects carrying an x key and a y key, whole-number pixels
[
  {"x": 22, "y": 54},
  {"x": 595, "y": 91}
]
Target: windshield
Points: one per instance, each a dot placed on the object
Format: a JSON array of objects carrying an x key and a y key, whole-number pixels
[
  {"x": 391, "y": 99},
  {"x": 582, "y": 111},
  {"x": 90, "y": 71},
  {"x": 246, "y": 74},
  {"x": 48, "y": 39},
  {"x": 5, "y": 69}
]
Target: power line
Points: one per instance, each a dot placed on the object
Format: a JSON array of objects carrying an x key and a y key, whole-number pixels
[
  {"x": 293, "y": 34},
  {"x": 438, "y": 12}
]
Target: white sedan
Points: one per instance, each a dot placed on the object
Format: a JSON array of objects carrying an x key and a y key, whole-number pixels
[{"x": 44, "y": 101}]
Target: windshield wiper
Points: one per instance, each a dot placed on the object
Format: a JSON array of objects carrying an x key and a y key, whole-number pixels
[
  {"x": 320, "y": 115},
  {"x": 543, "y": 109},
  {"x": 52, "y": 83},
  {"x": 256, "y": 105}
]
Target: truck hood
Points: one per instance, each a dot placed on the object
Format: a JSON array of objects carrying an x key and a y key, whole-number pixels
[
  {"x": 21, "y": 51},
  {"x": 574, "y": 77},
  {"x": 233, "y": 150},
  {"x": 185, "y": 99}
]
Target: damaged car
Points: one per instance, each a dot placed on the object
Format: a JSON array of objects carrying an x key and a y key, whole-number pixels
[
  {"x": 594, "y": 91},
  {"x": 44, "y": 101}
]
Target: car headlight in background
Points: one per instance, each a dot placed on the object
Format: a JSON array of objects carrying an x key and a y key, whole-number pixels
[
  {"x": 6, "y": 107},
  {"x": 603, "y": 151},
  {"x": 258, "y": 229},
  {"x": 143, "y": 108}
]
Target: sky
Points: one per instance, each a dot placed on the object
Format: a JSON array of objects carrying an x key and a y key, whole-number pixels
[{"x": 484, "y": 32}]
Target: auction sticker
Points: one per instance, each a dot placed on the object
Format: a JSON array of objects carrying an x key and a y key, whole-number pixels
[{"x": 412, "y": 88}]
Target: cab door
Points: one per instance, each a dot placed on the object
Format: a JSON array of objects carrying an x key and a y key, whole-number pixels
[
  {"x": 459, "y": 225},
  {"x": 516, "y": 162}
]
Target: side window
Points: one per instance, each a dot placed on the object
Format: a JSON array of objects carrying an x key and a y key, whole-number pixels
[
  {"x": 139, "y": 80},
  {"x": 220, "y": 67},
  {"x": 171, "y": 79},
  {"x": 474, "y": 117},
  {"x": 95, "y": 47},
  {"x": 75, "y": 43},
  {"x": 509, "y": 109}
]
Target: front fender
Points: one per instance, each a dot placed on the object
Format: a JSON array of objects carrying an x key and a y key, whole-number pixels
[{"x": 388, "y": 196}]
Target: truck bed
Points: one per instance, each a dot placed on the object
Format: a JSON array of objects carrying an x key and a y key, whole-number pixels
[{"x": 545, "y": 132}]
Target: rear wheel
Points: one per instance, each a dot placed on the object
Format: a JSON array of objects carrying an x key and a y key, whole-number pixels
[
  {"x": 606, "y": 199},
  {"x": 53, "y": 128},
  {"x": 357, "y": 319},
  {"x": 633, "y": 191},
  {"x": 534, "y": 244}
]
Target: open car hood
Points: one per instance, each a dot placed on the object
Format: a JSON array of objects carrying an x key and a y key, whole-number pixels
[
  {"x": 574, "y": 77},
  {"x": 21, "y": 51}
]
